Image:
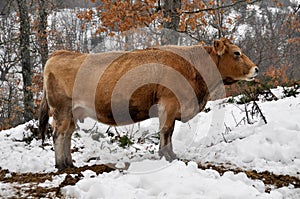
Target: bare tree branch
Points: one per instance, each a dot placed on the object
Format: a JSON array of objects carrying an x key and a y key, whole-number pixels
[{"x": 221, "y": 7}]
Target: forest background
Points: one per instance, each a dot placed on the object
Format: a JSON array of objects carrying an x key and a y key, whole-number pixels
[{"x": 268, "y": 31}]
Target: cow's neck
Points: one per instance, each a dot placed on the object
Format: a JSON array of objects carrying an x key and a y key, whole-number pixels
[
  {"x": 216, "y": 84},
  {"x": 215, "y": 57}
]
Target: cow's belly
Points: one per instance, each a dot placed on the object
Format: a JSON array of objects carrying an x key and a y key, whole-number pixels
[
  {"x": 121, "y": 118},
  {"x": 121, "y": 109}
]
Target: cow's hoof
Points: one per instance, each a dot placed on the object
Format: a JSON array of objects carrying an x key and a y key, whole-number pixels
[
  {"x": 62, "y": 167},
  {"x": 169, "y": 155}
]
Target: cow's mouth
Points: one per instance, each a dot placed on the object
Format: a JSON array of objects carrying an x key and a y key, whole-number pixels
[
  {"x": 229, "y": 81},
  {"x": 254, "y": 72},
  {"x": 250, "y": 79}
]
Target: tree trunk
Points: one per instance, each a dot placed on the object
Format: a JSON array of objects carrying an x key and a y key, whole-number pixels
[
  {"x": 42, "y": 31},
  {"x": 25, "y": 60},
  {"x": 169, "y": 31}
]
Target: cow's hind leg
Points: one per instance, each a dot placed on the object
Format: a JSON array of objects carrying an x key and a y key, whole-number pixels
[
  {"x": 67, "y": 145},
  {"x": 167, "y": 122},
  {"x": 63, "y": 128}
]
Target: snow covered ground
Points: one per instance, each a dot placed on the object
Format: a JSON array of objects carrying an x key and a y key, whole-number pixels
[{"x": 221, "y": 136}]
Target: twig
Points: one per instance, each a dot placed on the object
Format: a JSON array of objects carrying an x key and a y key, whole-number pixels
[
  {"x": 224, "y": 138},
  {"x": 243, "y": 119},
  {"x": 247, "y": 115},
  {"x": 234, "y": 118},
  {"x": 219, "y": 7},
  {"x": 116, "y": 130},
  {"x": 107, "y": 130},
  {"x": 227, "y": 130},
  {"x": 260, "y": 112}
]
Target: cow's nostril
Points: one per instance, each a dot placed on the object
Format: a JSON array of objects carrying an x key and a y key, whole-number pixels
[{"x": 256, "y": 69}]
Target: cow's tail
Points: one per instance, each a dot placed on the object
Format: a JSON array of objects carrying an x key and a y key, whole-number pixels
[{"x": 44, "y": 116}]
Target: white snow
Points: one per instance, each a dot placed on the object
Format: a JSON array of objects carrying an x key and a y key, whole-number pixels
[
  {"x": 175, "y": 180},
  {"x": 270, "y": 147}
]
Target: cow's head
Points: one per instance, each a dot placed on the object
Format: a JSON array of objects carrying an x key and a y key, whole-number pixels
[{"x": 232, "y": 63}]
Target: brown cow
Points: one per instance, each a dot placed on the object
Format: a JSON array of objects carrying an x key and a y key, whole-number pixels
[{"x": 118, "y": 88}]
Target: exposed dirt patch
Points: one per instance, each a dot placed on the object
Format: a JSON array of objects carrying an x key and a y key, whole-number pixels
[
  {"x": 26, "y": 177},
  {"x": 27, "y": 184},
  {"x": 3, "y": 174},
  {"x": 268, "y": 178}
]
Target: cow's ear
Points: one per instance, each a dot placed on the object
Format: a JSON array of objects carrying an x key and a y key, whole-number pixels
[{"x": 219, "y": 47}]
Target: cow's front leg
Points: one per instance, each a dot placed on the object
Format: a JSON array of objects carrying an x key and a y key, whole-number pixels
[
  {"x": 165, "y": 146},
  {"x": 166, "y": 122}
]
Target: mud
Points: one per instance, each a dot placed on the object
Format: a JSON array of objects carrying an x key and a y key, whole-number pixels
[
  {"x": 26, "y": 185},
  {"x": 269, "y": 179}
]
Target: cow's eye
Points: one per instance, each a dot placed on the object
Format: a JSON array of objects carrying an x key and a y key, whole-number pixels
[{"x": 237, "y": 53}]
